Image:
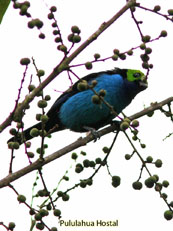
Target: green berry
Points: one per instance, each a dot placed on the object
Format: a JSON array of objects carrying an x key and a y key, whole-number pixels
[
  {"x": 148, "y": 50},
  {"x": 92, "y": 164},
  {"x": 102, "y": 92},
  {"x": 83, "y": 184},
  {"x": 137, "y": 185},
  {"x": 40, "y": 73},
  {"x": 146, "y": 38},
  {"x": 38, "y": 23},
  {"x": 116, "y": 180},
  {"x": 60, "y": 193},
  {"x": 13, "y": 131},
  {"x": 62, "y": 48},
  {"x": 16, "y": 145},
  {"x": 57, "y": 212},
  {"x": 42, "y": 104},
  {"x": 53, "y": 229},
  {"x": 127, "y": 120},
  {"x": 142, "y": 46},
  {"x": 94, "y": 83},
  {"x": 58, "y": 39},
  {"x": 66, "y": 178},
  {"x": 124, "y": 126},
  {"x": 156, "y": 177},
  {"x": 127, "y": 156},
  {"x": 53, "y": 9},
  {"x": 145, "y": 57},
  {"x": 11, "y": 225},
  {"x": 165, "y": 183},
  {"x": 25, "y": 61},
  {"x": 83, "y": 153},
  {"x": 149, "y": 159},
  {"x": 163, "y": 33},
  {"x": 149, "y": 182},
  {"x": 40, "y": 226},
  {"x": 31, "y": 24},
  {"x": 55, "y": 32},
  {"x": 38, "y": 117},
  {"x": 143, "y": 145},
  {"x": 168, "y": 215},
  {"x": 157, "y": 8},
  {"x": 74, "y": 156},
  {"x": 82, "y": 85},
  {"x": 10, "y": 145},
  {"x": 135, "y": 123},
  {"x": 89, "y": 181},
  {"x": 145, "y": 65},
  {"x": 164, "y": 195},
  {"x": 151, "y": 66},
  {"x": 70, "y": 37},
  {"x": 150, "y": 114},
  {"x": 75, "y": 29},
  {"x": 44, "y": 118},
  {"x": 98, "y": 160},
  {"x": 23, "y": 9},
  {"x": 134, "y": 138},
  {"x": 31, "y": 87},
  {"x": 114, "y": 57},
  {"x": 96, "y": 56},
  {"x": 40, "y": 151},
  {"x": 21, "y": 198},
  {"x": 50, "y": 16},
  {"x": 16, "y": 5},
  {"x": 43, "y": 212},
  {"x": 34, "y": 132},
  {"x": 86, "y": 163},
  {"x": 171, "y": 204},
  {"x": 122, "y": 56},
  {"x": 65, "y": 197},
  {"x": 42, "y": 36},
  {"x": 105, "y": 149},
  {"x": 130, "y": 52},
  {"x": 170, "y": 11},
  {"x": 116, "y": 51},
  {"x": 158, "y": 163},
  {"x": 76, "y": 38},
  {"x": 88, "y": 65},
  {"x": 96, "y": 99},
  {"x": 47, "y": 97},
  {"x": 79, "y": 168},
  {"x": 30, "y": 154},
  {"x": 37, "y": 216},
  {"x": 20, "y": 125},
  {"x": 158, "y": 187}
]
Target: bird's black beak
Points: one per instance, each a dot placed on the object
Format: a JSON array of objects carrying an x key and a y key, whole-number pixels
[{"x": 143, "y": 82}]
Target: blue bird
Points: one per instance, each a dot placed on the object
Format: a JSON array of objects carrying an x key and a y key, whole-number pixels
[{"x": 77, "y": 110}]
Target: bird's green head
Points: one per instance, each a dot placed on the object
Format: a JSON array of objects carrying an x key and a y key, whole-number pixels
[{"x": 137, "y": 76}]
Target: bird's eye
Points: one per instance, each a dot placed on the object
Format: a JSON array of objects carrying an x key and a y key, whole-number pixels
[{"x": 137, "y": 74}]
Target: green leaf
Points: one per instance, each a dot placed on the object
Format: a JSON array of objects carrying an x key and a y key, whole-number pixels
[{"x": 3, "y": 7}]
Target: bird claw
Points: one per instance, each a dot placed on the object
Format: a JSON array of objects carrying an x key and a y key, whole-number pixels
[
  {"x": 93, "y": 132},
  {"x": 116, "y": 123}
]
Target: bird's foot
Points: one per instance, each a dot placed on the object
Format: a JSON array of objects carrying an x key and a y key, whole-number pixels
[
  {"x": 93, "y": 132},
  {"x": 116, "y": 123}
]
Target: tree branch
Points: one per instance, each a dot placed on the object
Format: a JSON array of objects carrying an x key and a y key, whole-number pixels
[{"x": 79, "y": 143}]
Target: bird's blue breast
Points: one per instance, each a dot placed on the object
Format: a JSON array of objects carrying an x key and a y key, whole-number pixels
[{"x": 79, "y": 111}]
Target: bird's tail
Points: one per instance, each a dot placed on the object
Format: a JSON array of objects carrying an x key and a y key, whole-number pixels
[
  {"x": 20, "y": 138},
  {"x": 26, "y": 134}
]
